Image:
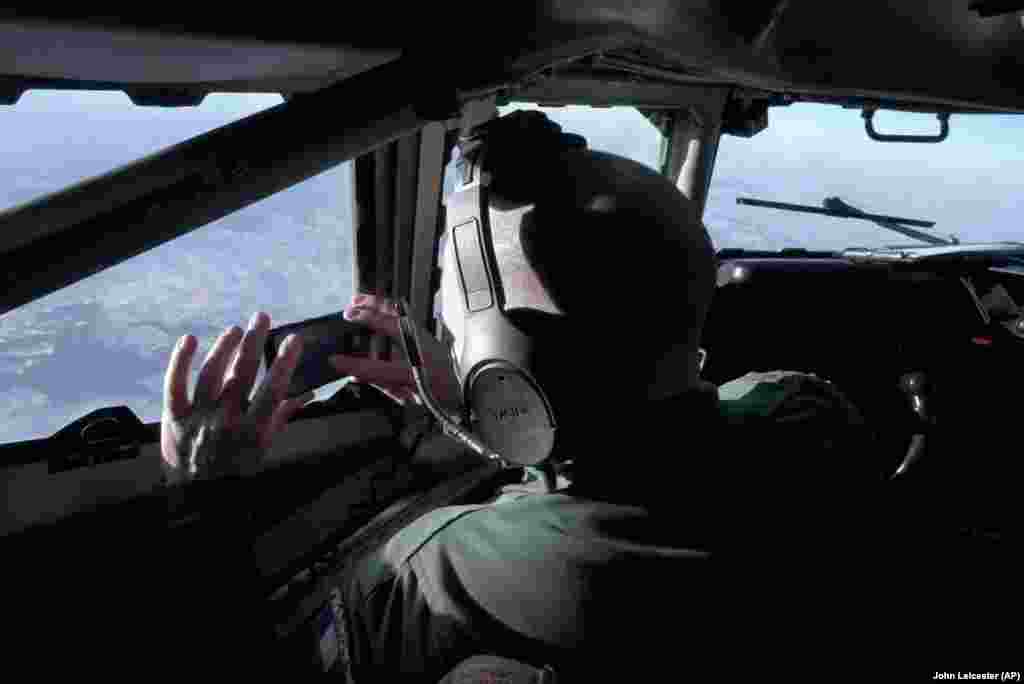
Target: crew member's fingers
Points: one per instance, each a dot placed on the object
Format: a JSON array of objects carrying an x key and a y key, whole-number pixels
[
  {"x": 281, "y": 415},
  {"x": 377, "y": 321},
  {"x": 274, "y": 388},
  {"x": 211, "y": 375},
  {"x": 240, "y": 379},
  {"x": 403, "y": 393},
  {"x": 409, "y": 394},
  {"x": 393, "y": 397},
  {"x": 375, "y": 302},
  {"x": 393, "y": 389},
  {"x": 373, "y": 371},
  {"x": 176, "y": 401},
  {"x": 400, "y": 394}
]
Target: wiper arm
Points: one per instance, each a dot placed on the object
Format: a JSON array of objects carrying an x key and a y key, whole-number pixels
[
  {"x": 892, "y": 224},
  {"x": 835, "y": 207},
  {"x": 838, "y": 208}
]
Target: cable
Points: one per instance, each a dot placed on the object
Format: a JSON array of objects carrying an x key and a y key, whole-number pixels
[{"x": 449, "y": 426}]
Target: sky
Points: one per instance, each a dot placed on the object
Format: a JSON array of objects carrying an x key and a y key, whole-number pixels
[{"x": 105, "y": 341}]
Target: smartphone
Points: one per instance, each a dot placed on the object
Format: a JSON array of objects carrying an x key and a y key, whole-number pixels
[{"x": 321, "y": 338}]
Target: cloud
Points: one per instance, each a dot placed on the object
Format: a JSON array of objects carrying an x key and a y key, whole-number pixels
[
  {"x": 967, "y": 185},
  {"x": 20, "y": 409}
]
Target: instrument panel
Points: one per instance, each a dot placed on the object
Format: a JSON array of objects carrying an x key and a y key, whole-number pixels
[{"x": 866, "y": 327}]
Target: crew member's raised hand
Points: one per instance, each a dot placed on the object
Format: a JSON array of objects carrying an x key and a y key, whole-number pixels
[
  {"x": 394, "y": 378},
  {"x": 219, "y": 432}
]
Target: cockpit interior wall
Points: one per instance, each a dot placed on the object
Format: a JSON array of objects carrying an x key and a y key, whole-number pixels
[{"x": 35, "y": 496}]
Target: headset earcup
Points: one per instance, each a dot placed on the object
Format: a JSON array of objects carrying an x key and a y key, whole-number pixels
[{"x": 512, "y": 414}]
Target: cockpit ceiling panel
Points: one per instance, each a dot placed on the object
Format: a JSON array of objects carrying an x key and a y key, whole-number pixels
[
  {"x": 927, "y": 51},
  {"x": 40, "y": 52}
]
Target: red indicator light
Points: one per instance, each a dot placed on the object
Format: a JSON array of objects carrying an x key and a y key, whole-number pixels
[{"x": 983, "y": 341}]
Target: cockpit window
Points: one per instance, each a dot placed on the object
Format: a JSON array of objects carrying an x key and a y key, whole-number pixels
[
  {"x": 52, "y": 139},
  {"x": 966, "y": 185},
  {"x": 105, "y": 340},
  {"x": 617, "y": 130}
]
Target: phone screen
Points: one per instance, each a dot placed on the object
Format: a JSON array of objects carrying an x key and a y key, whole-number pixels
[{"x": 321, "y": 338}]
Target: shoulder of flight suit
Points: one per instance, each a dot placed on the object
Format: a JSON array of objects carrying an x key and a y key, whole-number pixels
[
  {"x": 395, "y": 627},
  {"x": 384, "y": 566}
]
